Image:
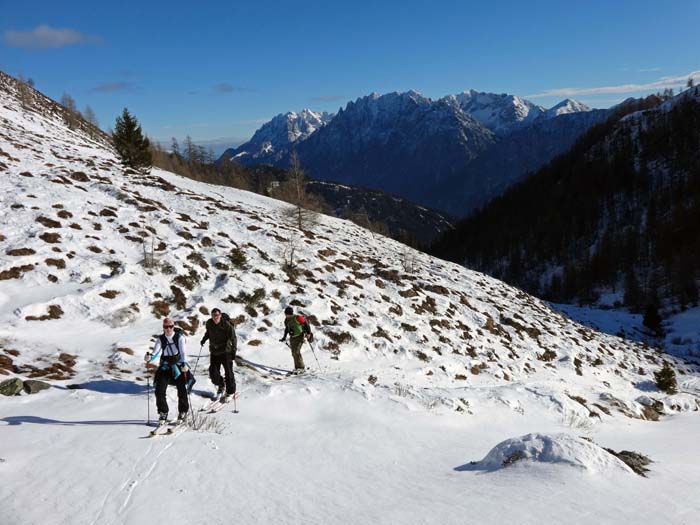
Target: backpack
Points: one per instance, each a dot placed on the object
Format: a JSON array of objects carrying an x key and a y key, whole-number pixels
[
  {"x": 177, "y": 334},
  {"x": 232, "y": 343},
  {"x": 298, "y": 326}
]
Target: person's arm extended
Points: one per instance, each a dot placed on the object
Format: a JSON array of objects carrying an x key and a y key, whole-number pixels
[{"x": 153, "y": 354}]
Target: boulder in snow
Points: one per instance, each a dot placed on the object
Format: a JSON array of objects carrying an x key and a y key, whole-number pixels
[
  {"x": 551, "y": 448},
  {"x": 32, "y": 386},
  {"x": 11, "y": 387}
]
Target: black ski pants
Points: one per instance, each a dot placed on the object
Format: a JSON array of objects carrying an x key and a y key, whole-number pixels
[
  {"x": 215, "y": 363},
  {"x": 162, "y": 380}
]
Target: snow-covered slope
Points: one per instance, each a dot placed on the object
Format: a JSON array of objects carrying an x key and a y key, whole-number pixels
[{"x": 423, "y": 364}]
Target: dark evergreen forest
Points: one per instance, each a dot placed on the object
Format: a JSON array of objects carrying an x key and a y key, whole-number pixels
[{"x": 619, "y": 212}]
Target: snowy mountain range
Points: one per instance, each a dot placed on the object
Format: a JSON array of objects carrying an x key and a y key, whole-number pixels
[
  {"x": 420, "y": 148},
  {"x": 503, "y": 113},
  {"x": 420, "y": 366},
  {"x": 272, "y": 142}
]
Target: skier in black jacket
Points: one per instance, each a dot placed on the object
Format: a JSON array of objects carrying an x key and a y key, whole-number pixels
[{"x": 222, "y": 349}]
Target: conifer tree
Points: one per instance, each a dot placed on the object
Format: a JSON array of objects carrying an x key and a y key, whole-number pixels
[
  {"x": 666, "y": 379},
  {"x": 652, "y": 319},
  {"x": 132, "y": 146}
]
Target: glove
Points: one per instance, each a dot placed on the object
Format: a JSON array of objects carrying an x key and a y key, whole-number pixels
[
  {"x": 147, "y": 357},
  {"x": 184, "y": 368},
  {"x": 310, "y": 337},
  {"x": 201, "y": 343}
]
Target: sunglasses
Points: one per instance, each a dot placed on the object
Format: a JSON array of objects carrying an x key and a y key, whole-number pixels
[{"x": 166, "y": 326}]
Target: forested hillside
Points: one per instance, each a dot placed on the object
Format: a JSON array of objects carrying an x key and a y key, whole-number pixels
[{"x": 619, "y": 213}]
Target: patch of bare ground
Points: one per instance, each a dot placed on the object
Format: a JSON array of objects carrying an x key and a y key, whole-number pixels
[
  {"x": 189, "y": 326},
  {"x": 179, "y": 297},
  {"x": 15, "y": 272},
  {"x": 51, "y": 238},
  {"x": 339, "y": 337},
  {"x": 109, "y": 294},
  {"x": 54, "y": 312},
  {"x": 58, "y": 263},
  {"x": 59, "y": 370},
  {"x": 198, "y": 259},
  {"x": 18, "y": 252},
  {"x": 160, "y": 308},
  {"x": 49, "y": 223}
]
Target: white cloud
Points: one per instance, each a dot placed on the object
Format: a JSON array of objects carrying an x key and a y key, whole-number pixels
[
  {"x": 662, "y": 83},
  {"x": 45, "y": 37}
]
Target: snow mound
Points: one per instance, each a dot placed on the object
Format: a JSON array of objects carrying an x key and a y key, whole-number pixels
[{"x": 552, "y": 448}]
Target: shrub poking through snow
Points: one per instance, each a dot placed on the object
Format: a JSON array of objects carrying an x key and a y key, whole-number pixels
[
  {"x": 339, "y": 337},
  {"x": 188, "y": 281},
  {"x": 634, "y": 460},
  {"x": 666, "y": 379},
  {"x": 238, "y": 258},
  {"x": 547, "y": 355}
]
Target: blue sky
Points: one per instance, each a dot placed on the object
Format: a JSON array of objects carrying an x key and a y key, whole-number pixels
[{"x": 217, "y": 70}]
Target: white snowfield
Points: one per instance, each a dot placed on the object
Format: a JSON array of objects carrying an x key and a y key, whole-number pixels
[{"x": 424, "y": 366}]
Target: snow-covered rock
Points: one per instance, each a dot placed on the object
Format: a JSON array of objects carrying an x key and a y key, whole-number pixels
[
  {"x": 562, "y": 449},
  {"x": 273, "y": 141}
]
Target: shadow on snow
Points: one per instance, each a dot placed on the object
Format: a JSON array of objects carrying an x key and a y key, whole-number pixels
[{"x": 19, "y": 420}]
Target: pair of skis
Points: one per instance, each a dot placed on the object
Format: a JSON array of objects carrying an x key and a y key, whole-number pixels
[
  {"x": 217, "y": 404},
  {"x": 169, "y": 428}
]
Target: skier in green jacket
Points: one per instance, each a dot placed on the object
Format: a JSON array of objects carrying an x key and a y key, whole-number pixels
[{"x": 298, "y": 329}]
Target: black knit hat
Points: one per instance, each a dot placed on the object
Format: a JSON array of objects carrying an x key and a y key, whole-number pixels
[{"x": 288, "y": 311}]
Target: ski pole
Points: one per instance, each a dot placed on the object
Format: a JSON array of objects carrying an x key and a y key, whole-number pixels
[
  {"x": 148, "y": 381},
  {"x": 313, "y": 352},
  {"x": 198, "y": 357},
  {"x": 189, "y": 400}
]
